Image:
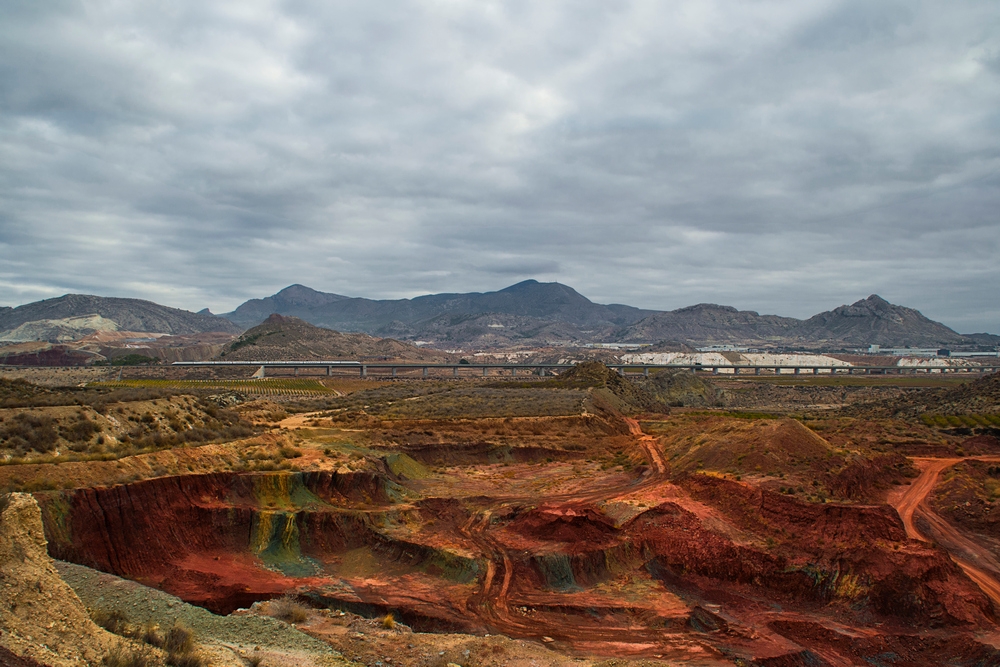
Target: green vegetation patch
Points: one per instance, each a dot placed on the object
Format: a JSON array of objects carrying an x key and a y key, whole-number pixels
[
  {"x": 451, "y": 401},
  {"x": 130, "y": 360},
  {"x": 958, "y": 421},
  {"x": 263, "y": 386},
  {"x": 925, "y": 380}
]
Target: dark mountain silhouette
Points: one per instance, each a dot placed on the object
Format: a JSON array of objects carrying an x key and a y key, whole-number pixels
[
  {"x": 871, "y": 321},
  {"x": 294, "y": 300},
  {"x": 128, "y": 314},
  {"x": 543, "y": 302},
  {"x": 709, "y": 323}
]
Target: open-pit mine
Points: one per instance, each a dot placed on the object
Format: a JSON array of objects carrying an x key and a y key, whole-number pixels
[{"x": 676, "y": 519}]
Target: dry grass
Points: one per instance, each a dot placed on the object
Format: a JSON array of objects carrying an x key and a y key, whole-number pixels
[
  {"x": 123, "y": 656},
  {"x": 287, "y": 608}
]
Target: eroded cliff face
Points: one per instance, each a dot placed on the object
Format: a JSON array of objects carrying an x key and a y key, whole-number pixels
[
  {"x": 42, "y": 621},
  {"x": 713, "y": 564}
]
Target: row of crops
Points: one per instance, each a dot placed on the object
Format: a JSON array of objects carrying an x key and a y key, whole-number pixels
[
  {"x": 261, "y": 387},
  {"x": 956, "y": 421}
]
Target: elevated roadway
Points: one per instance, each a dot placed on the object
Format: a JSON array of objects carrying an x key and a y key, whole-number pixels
[{"x": 394, "y": 369}]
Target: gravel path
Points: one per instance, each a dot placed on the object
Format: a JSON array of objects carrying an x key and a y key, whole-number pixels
[{"x": 242, "y": 634}]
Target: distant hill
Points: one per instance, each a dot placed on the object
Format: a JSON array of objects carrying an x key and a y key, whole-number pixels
[
  {"x": 871, "y": 321},
  {"x": 536, "y": 303},
  {"x": 985, "y": 339},
  {"x": 295, "y": 300},
  {"x": 76, "y": 315},
  {"x": 282, "y": 338},
  {"x": 875, "y": 321},
  {"x": 708, "y": 323}
]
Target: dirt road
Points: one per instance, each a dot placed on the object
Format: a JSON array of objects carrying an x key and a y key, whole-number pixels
[
  {"x": 648, "y": 443},
  {"x": 978, "y": 562},
  {"x": 918, "y": 492}
]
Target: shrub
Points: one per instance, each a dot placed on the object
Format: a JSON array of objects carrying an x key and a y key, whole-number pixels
[
  {"x": 150, "y": 634},
  {"x": 178, "y": 640},
  {"x": 389, "y": 622},
  {"x": 26, "y": 431},
  {"x": 288, "y": 609}
]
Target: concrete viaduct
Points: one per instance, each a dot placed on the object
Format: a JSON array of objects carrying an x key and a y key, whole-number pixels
[{"x": 362, "y": 368}]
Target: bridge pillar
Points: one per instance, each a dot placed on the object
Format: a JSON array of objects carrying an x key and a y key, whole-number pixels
[
  {"x": 815, "y": 371},
  {"x": 295, "y": 370},
  {"x": 797, "y": 369},
  {"x": 736, "y": 371},
  {"x": 329, "y": 370},
  {"x": 645, "y": 371},
  {"x": 364, "y": 371},
  {"x": 850, "y": 370},
  {"x": 454, "y": 372},
  {"x": 715, "y": 370},
  {"x": 485, "y": 371},
  {"x": 425, "y": 371},
  {"x": 513, "y": 372},
  {"x": 756, "y": 370},
  {"x": 393, "y": 371}
]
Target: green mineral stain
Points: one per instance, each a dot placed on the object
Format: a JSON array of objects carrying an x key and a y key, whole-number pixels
[
  {"x": 56, "y": 515},
  {"x": 403, "y": 465},
  {"x": 452, "y": 566},
  {"x": 557, "y": 572},
  {"x": 275, "y": 540},
  {"x": 284, "y": 490}
]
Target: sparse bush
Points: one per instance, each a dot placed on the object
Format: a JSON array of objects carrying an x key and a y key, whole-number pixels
[
  {"x": 150, "y": 634},
  {"x": 26, "y": 431},
  {"x": 389, "y": 622},
  {"x": 178, "y": 640},
  {"x": 288, "y": 609}
]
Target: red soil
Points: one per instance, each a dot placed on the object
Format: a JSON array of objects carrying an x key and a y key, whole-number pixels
[{"x": 706, "y": 570}]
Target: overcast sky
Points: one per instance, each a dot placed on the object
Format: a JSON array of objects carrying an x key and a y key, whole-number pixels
[{"x": 785, "y": 157}]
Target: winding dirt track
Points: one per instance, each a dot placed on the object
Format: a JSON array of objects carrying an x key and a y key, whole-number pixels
[
  {"x": 978, "y": 562},
  {"x": 492, "y": 601}
]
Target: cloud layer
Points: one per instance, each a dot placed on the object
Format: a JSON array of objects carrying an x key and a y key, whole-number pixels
[{"x": 781, "y": 156}]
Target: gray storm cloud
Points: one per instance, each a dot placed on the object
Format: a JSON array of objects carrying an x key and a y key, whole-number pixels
[{"x": 781, "y": 156}]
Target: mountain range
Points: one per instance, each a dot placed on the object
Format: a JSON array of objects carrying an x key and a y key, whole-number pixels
[
  {"x": 529, "y": 313},
  {"x": 534, "y": 313}
]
